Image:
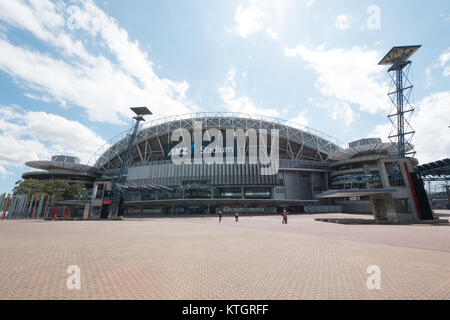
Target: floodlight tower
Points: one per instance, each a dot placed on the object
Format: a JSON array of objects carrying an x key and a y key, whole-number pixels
[
  {"x": 116, "y": 196},
  {"x": 400, "y": 93}
]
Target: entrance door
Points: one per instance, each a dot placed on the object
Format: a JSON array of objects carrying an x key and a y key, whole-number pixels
[{"x": 104, "y": 212}]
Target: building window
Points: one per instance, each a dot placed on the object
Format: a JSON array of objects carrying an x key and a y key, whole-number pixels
[
  {"x": 257, "y": 193},
  {"x": 229, "y": 193}
]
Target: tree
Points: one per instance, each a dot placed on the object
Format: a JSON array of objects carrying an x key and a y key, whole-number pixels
[
  {"x": 29, "y": 186},
  {"x": 56, "y": 189},
  {"x": 73, "y": 191}
]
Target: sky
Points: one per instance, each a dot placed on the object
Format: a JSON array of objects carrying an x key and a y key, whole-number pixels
[{"x": 70, "y": 70}]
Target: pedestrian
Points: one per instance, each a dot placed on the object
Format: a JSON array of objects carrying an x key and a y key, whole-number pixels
[
  {"x": 236, "y": 216},
  {"x": 285, "y": 214},
  {"x": 220, "y": 216}
]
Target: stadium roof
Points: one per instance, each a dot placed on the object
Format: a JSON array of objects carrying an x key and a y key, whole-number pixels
[
  {"x": 58, "y": 165},
  {"x": 436, "y": 168},
  {"x": 364, "y": 147},
  {"x": 309, "y": 137}
]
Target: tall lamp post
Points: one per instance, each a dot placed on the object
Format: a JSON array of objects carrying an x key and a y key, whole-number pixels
[{"x": 116, "y": 208}]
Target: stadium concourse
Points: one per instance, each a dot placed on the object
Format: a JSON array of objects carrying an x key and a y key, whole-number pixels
[{"x": 199, "y": 258}]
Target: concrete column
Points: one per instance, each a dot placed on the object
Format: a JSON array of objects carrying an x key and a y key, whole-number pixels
[
  {"x": 391, "y": 213},
  {"x": 86, "y": 211},
  {"x": 366, "y": 171},
  {"x": 383, "y": 174},
  {"x": 326, "y": 175},
  {"x": 372, "y": 205}
]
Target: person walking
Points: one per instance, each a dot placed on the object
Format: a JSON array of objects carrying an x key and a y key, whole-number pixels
[
  {"x": 220, "y": 216},
  {"x": 285, "y": 214},
  {"x": 236, "y": 216}
]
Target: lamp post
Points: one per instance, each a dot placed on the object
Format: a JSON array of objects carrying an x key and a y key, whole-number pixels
[{"x": 116, "y": 192}]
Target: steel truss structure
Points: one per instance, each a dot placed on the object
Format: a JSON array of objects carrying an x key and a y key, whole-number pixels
[
  {"x": 401, "y": 109},
  {"x": 293, "y": 133},
  {"x": 435, "y": 171},
  {"x": 351, "y": 179},
  {"x": 365, "y": 146},
  {"x": 116, "y": 192},
  {"x": 146, "y": 187}
]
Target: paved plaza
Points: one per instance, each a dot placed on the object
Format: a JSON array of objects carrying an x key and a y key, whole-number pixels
[{"x": 198, "y": 258}]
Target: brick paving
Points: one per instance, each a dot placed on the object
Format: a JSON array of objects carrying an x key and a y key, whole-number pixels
[{"x": 197, "y": 258}]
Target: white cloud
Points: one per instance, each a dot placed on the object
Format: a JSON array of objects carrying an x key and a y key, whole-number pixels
[
  {"x": 343, "y": 111},
  {"x": 235, "y": 103},
  {"x": 338, "y": 111},
  {"x": 430, "y": 121},
  {"x": 310, "y": 2},
  {"x": 350, "y": 76},
  {"x": 381, "y": 131},
  {"x": 441, "y": 63},
  {"x": 301, "y": 118},
  {"x": 253, "y": 18},
  {"x": 444, "y": 61},
  {"x": 271, "y": 33},
  {"x": 31, "y": 135},
  {"x": 249, "y": 20},
  {"x": 446, "y": 17},
  {"x": 104, "y": 86},
  {"x": 428, "y": 77},
  {"x": 342, "y": 22}
]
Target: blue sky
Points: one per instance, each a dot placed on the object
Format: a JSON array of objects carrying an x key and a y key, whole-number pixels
[{"x": 70, "y": 70}]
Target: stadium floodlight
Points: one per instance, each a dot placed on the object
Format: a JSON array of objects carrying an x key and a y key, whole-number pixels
[
  {"x": 398, "y": 56},
  {"x": 140, "y": 112},
  {"x": 401, "y": 132},
  {"x": 116, "y": 192}
]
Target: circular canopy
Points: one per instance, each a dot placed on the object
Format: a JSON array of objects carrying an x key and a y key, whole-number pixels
[
  {"x": 57, "y": 165},
  {"x": 365, "y": 147}
]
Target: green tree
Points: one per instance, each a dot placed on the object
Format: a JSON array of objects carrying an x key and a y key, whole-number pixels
[
  {"x": 53, "y": 189},
  {"x": 73, "y": 191},
  {"x": 29, "y": 186},
  {"x": 56, "y": 189}
]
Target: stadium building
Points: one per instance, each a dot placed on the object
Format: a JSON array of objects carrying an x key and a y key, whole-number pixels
[
  {"x": 157, "y": 185},
  {"x": 314, "y": 172}
]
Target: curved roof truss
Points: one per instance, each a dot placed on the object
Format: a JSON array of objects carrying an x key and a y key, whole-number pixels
[{"x": 288, "y": 130}]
